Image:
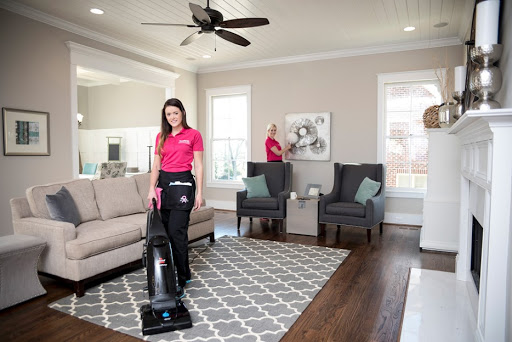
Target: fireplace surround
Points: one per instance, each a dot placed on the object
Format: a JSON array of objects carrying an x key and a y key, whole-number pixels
[{"x": 486, "y": 195}]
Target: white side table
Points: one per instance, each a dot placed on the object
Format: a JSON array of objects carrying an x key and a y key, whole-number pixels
[{"x": 302, "y": 216}]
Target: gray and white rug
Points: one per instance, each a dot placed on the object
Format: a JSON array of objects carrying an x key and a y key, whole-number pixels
[{"x": 242, "y": 289}]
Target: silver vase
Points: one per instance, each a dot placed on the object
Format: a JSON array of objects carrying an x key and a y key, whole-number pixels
[
  {"x": 485, "y": 80},
  {"x": 445, "y": 115},
  {"x": 458, "y": 108}
]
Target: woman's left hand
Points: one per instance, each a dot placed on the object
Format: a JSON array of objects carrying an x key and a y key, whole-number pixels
[{"x": 198, "y": 201}]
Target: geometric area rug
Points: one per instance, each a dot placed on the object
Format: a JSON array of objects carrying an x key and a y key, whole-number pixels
[{"x": 242, "y": 289}]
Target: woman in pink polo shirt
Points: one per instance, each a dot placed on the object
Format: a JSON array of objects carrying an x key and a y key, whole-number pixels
[
  {"x": 272, "y": 146},
  {"x": 177, "y": 146}
]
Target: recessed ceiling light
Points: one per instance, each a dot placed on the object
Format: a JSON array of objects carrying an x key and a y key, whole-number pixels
[
  {"x": 207, "y": 56},
  {"x": 441, "y": 24},
  {"x": 96, "y": 11},
  {"x": 409, "y": 28}
]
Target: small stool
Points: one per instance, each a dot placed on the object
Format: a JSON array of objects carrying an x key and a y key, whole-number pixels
[{"x": 19, "y": 255}]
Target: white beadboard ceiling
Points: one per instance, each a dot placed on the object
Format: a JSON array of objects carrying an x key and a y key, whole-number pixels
[{"x": 299, "y": 29}]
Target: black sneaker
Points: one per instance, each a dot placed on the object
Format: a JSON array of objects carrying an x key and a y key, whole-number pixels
[{"x": 180, "y": 292}]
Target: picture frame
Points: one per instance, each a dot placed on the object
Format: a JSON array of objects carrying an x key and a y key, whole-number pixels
[
  {"x": 312, "y": 190},
  {"x": 26, "y": 132}
]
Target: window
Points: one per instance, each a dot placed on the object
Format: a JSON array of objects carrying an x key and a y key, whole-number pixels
[
  {"x": 403, "y": 140},
  {"x": 229, "y": 117}
]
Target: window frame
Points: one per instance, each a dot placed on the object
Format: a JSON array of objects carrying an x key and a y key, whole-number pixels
[
  {"x": 397, "y": 77},
  {"x": 225, "y": 91}
]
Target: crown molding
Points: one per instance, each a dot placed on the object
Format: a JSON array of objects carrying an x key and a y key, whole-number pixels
[
  {"x": 335, "y": 54},
  {"x": 32, "y": 13}
]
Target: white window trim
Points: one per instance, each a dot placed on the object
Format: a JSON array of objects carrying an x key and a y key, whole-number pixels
[
  {"x": 242, "y": 89},
  {"x": 382, "y": 79}
]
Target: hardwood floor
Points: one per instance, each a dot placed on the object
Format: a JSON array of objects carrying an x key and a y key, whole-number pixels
[{"x": 363, "y": 300}]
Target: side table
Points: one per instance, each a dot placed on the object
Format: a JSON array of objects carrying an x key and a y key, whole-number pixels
[
  {"x": 302, "y": 216},
  {"x": 19, "y": 256}
]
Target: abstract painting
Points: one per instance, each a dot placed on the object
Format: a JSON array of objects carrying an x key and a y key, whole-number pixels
[
  {"x": 26, "y": 133},
  {"x": 309, "y": 134}
]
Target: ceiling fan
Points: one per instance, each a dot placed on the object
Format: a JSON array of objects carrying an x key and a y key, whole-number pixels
[{"x": 210, "y": 21}]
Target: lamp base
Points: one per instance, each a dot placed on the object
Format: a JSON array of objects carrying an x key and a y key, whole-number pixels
[{"x": 485, "y": 105}]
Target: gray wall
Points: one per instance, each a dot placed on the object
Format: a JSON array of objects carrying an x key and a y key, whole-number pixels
[
  {"x": 346, "y": 87},
  {"x": 130, "y": 104},
  {"x": 35, "y": 75}
]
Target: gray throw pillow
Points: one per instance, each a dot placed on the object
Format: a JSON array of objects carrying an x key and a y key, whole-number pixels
[
  {"x": 367, "y": 189},
  {"x": 62, "y": 207},
  {"x": 256, "y": 186}
]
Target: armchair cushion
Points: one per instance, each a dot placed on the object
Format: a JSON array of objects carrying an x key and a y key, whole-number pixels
[
  {"x": 270, "y": 203},
  {"x": 367, "y": 189},
  {"x": 345, "y": 209},
  {"x": 256, "y": 186},
  {"x": 62, "y": 207}
]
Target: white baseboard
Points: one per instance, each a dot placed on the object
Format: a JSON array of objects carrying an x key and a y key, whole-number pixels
[
  {"x": 439, "y": 246},
  {"x": 224, "y": 205},
  {"x": 400, "y": 218}
]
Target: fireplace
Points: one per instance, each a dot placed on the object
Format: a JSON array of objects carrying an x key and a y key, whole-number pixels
[
  {"x": 476, "y": 251},
  {"x": 484, "y": 259}
]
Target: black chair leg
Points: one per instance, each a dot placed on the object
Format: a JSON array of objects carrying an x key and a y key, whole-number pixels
[
  {"x": 250, "y": 219},
  {"x": 238, "y": 225},
  {"x": 380, "y": 227},
  {"x": 339, "y": 226},
  {"x": 369, "y": 235}
]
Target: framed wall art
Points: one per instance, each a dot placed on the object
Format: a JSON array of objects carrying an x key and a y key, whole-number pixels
[
  {"x": 309, "y": 135},
  {"x": 26, "y": 132}
]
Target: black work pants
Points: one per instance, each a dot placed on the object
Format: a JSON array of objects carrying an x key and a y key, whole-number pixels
[
  {"x": 176, "y": 223},
  {"x": 176, "y": 220}
]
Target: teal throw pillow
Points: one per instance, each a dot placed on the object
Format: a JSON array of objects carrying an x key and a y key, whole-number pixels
[
  {"x": 367, "y": 189},
  {"x": 256, "y": 186}
]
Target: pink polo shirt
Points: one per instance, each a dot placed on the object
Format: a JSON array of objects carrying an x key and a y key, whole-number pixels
[
  {"x": 178, "y": 150},
  {"x": 271, "y": 156}
]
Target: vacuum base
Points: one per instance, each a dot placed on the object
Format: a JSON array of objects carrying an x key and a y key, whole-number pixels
[{"x": 156, "y": 323}]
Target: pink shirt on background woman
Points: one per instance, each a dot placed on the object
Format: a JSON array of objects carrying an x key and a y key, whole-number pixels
[{"x": 271, "y": 156}]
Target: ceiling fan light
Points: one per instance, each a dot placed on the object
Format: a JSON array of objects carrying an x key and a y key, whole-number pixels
[
  {"x": 96, "y": 11},
  {"x": 409, "y": 28}
]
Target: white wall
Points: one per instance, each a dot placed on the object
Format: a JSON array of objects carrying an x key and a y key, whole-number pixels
[{"x": 346, "y": 87}]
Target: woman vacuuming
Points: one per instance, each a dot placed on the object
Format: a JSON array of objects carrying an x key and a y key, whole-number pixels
[{"x": 177, "y": 147}]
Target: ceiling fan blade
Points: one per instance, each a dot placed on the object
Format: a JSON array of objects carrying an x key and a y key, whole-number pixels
[
  {"x": 199, "y": 13},
  {"x": 191, "y": 38},
  {"x": 164, "y": 24},
  {"x": 232, "y": 37},
  {"x": 243, "y": 23}
]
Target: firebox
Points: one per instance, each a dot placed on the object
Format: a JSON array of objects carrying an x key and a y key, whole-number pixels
[{"x": 476, "y": 251}]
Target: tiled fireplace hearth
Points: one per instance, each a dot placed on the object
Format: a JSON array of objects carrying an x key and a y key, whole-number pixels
[{"x": 486, "y": 195}]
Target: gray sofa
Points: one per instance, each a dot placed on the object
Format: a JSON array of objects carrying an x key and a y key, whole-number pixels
[{"x": 111, "y": 232}]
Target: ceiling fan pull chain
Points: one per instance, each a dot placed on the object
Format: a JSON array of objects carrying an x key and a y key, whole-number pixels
[{"x": 215, "y": 40}]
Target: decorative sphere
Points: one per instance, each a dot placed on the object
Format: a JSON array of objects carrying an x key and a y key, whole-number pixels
[{"x": 292, "y": 138}]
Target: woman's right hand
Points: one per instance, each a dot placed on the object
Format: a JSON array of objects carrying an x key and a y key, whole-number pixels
[{"x": 151, "y": 195}]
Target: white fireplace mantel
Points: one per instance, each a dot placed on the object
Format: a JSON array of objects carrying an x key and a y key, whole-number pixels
[{"x": 486, "y": 193}]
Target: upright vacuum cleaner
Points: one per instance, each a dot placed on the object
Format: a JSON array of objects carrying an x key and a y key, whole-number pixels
[{"x": 165, "y": 312}]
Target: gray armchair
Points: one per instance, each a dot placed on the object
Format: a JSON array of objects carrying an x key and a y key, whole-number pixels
[
  {"x": 338, "y": 207},
  {"x": 279, "y": 183}
]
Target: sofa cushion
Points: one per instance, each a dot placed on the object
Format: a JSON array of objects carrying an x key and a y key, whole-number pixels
[
  {"x": 142, "y": 181},
  {"x": 203, "y": 214},
  {"x": 270, "y": 203},
  {"x": 96, "y": 237},
  {"x": 346, "y": 209},
  {"x": 81, "y": 190},
  {"x": 62, "y": 207},
  {"x": 140, "y": 220},
  {"x": 117, "y": 197}
]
